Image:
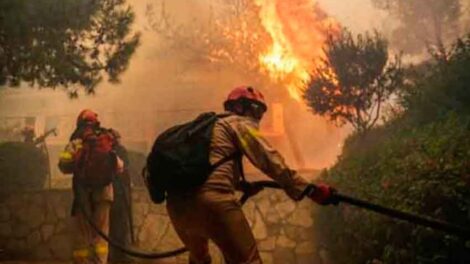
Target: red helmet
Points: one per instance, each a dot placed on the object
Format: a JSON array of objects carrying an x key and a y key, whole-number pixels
[
  {"x": 87, "y": 116},
  {"x": 245, "y": 93}
]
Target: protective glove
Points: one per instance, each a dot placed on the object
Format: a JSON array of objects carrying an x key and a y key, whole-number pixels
[
  {"x": 68, "y": 157},
  {"x": 322, "y": 194}
]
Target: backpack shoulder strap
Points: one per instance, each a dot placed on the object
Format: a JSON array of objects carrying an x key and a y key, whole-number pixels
[{"x": 235, "y": 155}]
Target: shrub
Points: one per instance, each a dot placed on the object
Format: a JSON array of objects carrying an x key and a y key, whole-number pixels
[
  {"x": 22, "y": 167},
  {"x": 420, "y": 163}
]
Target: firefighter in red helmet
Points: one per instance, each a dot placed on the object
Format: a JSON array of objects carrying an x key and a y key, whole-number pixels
[
  {"x": 91, "y": 157},
  {"x": 213, "y": 211},
  {"x": 246, "y": 101},
  {"x": 87, "y": 117}
]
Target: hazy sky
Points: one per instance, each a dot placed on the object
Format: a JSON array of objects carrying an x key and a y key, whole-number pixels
[{"x": 358, "y": 15}]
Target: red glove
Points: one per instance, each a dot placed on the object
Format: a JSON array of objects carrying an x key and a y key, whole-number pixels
[{"x": 322, "y": 194}]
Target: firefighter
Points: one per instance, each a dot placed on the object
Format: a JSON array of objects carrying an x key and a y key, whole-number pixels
[
  {"x": 91, "y": 184},
  {"x": 212, "y": 210}
]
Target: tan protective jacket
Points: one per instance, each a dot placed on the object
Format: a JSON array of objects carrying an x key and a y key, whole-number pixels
[{"x": 241, "y": 134}]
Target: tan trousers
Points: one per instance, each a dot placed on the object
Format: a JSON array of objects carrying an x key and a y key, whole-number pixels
[
  {"x": 215, "y": 216},
  {"x": 89, "y": 247}
]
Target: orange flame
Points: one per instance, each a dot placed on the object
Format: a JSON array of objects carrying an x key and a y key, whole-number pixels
[{"x": 298, "y": 30}]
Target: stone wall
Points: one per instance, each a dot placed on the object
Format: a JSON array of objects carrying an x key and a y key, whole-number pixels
[
  {"x": 36, "y": 225},
  {"x": 282, "y": 228},
  {"x": 152, "y": 227}
]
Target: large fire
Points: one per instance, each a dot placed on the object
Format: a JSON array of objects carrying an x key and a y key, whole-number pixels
[{"x": 299, "y": 30}]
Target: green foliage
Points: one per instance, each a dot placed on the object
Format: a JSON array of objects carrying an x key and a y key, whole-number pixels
[
  {"x": 423, "y": 22},
  {"x": 444, "y": 87},
  {"x": 419, "y": 162},
  {"x": 355, "y": 80},
  {"x": 22, "y": 167},
  {"x": 67, "y": 43}
]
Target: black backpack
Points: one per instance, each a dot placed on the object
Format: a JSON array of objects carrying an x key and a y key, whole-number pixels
[{"x": 179, "y": 159}]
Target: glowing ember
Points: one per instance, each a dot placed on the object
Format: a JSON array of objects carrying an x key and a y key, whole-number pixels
[{"x": 298, "y": 30}]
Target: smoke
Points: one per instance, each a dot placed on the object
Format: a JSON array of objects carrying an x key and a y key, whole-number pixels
[
  {"x": 167, "y": 88},
  {"x": 162, "y": 88},
  {"x": 358, "y": 15},
  {"x": 412, "y": 27}
]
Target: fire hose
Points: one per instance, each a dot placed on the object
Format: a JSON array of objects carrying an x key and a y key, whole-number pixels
[
  {"x": 126, "y": 250},
  {"x": 126, "y": 198},
  {"x": 435, "y": 224},
  {"x": 447, "y": 227}
]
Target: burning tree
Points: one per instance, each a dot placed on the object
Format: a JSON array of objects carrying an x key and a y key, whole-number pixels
[
  {"x": 67, "y": 43},
  {"x": 272, "y": 41},
  {"x": 230, "y": 37},
  {"x": 271, "y": 44},
  {"x": 354, "y": 81}
]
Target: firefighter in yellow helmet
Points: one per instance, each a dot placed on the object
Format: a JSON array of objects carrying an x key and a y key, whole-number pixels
[
  {"x": 212, "y": 211},
  {"x": 90, "y": 157}
]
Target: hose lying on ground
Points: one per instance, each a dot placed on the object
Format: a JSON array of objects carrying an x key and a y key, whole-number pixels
[
  {"x": 134, "y": 252},
  {"x": 128, "y": 251}
]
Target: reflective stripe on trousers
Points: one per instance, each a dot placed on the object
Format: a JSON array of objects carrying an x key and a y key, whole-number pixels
[
  {"x": 90, "y": 248},
  {"x": 101, "y": 249},
  {"x": 81, "y": 253}
]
